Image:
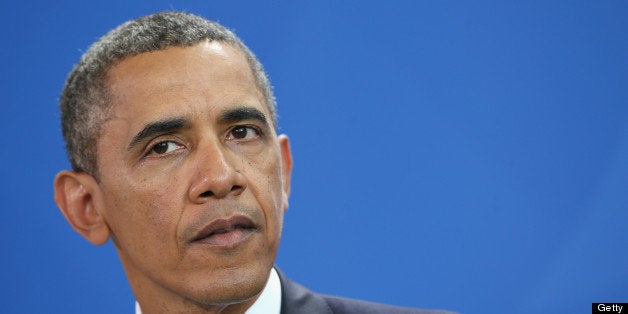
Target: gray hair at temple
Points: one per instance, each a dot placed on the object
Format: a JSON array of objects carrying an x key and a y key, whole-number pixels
[{"x": 85, "y": 102}]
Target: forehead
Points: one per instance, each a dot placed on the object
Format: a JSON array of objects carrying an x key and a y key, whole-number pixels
[{"x": 181, "y": 79}]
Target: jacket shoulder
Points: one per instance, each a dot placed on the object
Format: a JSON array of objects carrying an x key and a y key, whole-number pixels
[
  {"x": 341, "y": 305},
  {"x": 296, "y": 299}
]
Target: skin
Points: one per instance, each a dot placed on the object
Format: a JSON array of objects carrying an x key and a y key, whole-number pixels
[{"x": 206, "y": 158}]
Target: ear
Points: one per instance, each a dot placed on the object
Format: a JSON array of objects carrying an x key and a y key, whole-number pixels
[
  {"x": 76, "y": 194},
  {"x": 286, "y": 167}
]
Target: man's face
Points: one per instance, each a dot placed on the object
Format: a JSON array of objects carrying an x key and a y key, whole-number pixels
[{"x": 193, "y": 179}]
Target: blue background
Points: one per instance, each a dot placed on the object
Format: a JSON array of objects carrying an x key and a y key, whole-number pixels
[{"x": 463, "y": 155}]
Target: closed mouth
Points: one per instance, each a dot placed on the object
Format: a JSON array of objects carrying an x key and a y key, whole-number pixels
[{"x": 226, "y": 232}]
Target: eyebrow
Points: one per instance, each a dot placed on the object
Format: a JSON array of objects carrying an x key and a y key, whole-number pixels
[
  {"x": 170, "y": 125},
  {"x": 158, "y": 127},
  {"x": 241, "y": 114}
]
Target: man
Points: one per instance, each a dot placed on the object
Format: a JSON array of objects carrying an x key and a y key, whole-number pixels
[{"x": 170, "y": 127}]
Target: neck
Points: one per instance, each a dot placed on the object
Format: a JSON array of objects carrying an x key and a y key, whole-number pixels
[{"x": 196, "y": 308}]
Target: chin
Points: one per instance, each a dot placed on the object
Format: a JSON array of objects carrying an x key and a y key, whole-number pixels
[{"x": 233, "y": 285}]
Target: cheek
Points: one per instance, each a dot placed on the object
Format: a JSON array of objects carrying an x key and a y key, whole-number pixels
[
  {"x": 145, "y": 213},
  {"x": 268, "y": 188}
]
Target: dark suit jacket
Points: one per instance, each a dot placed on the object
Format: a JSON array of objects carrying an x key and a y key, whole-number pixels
[{"x": 296, "y": 299}]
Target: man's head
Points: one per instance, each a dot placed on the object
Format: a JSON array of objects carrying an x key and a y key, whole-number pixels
[
  {"x": 192, "y": 178},
  {"x": 85, "y": 100}
]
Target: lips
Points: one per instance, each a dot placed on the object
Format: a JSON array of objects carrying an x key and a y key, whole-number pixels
[{"x": 226, "y": 232}]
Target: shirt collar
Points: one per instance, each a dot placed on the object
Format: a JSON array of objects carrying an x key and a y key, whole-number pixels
[
  {"x": 270, "y": 299},
  {"x": 269, "y": 302}
]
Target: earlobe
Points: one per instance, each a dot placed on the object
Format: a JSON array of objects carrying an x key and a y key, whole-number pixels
[
  {"x": 286, "y": 167},
  {"x": 76, "y": 196}
]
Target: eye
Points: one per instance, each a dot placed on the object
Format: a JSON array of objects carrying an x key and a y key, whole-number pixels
[
  {"x": 165, "y": 147},
  {"x": 243, "y": 133}
]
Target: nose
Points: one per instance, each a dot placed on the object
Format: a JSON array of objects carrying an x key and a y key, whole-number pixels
[{"x": 216, "y": 175}]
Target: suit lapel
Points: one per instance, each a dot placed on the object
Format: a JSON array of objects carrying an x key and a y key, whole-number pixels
[{"x": 296, "y": 299}]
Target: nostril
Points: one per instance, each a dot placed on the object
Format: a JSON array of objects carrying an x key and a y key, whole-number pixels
[
  {"x": 235, "y": 188},
  {"x": 207, "y": 194}
]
